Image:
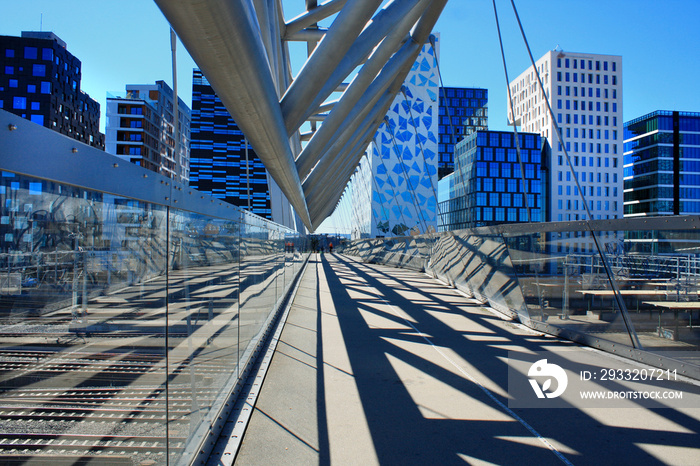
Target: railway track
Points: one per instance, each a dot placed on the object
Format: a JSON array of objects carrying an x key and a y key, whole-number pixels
[{"x": 112, "y": 421}]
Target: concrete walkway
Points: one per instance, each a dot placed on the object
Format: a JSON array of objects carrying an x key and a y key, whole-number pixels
[{"x": 423, "y": 380}]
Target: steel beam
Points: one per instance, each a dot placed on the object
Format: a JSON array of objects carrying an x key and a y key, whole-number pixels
[
  {"x": 241, "y": 47},
  {"x": 224, "y": 38},
  {"x": 382, "y": 23},
  {"x": 320, "y": 141},
  {"x": 320, "y": 65},
  {"x": 313, "y": 16}
]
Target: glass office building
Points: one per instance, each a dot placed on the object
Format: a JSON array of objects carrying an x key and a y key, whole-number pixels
[
  {"x": 487, "y": 186},
  {"x": 662, "y": 164},
  {"x": 462, "y": 110}
]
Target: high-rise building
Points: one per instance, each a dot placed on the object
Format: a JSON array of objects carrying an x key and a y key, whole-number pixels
[
  {"x": 399, "y": 193},
  {"x": 140, "y": 128},
  {"x": 40, "y": 81},
  {"x": 222, "y": 162},
  {"x": 661, "y": 172},
  {"x": 487, "y": 185},
  {"x": 224, "y": 165},
  {"x": 462, "y": 110},
  {"x": 585, "y": 92}
]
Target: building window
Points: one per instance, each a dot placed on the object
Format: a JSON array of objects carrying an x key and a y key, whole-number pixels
[
  {"x": 9, "y": 70},
  {"x": 19, "y": 103},
  {"x": 30, "y": 53},
  {"x": 9, "y": 53},
  {"x": 47, "y": 54},
  {"x": 39, "y": 70},
  {"x": 45, "y": 87},
  {"x": 13, "y": 83},
  {"x": 38, "y": 119}
]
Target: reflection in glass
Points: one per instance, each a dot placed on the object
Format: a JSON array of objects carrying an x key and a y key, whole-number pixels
[{"x": 124, "y": 325}]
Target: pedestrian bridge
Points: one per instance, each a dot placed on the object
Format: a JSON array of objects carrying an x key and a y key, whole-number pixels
[
  {"x": 143, "y": 322},
  {"x": 380, "y": 365}
]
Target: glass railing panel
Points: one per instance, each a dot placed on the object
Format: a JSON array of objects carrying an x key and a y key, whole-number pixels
[
  {"x": 82, "y": 322},
  {"x": 202, "y": 324},
  {"x": 288, "y": 257},
  {"x": 566, "y": 283},
  {"x": 485, "y": 270},
  {"x": 629, "y": 282},
  {"x": 119, "y": 316},
  {"x": 258, "y": 271},
  {"x": 660, "y": 272},
  {"x": 530, "y": 262}
]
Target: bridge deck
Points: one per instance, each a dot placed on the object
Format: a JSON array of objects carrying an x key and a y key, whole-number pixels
[{"x": 354, "y": 380}]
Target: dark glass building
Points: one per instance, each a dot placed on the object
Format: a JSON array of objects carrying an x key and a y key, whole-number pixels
[
  {"x": 221, "y": 161},
  {"x": 462, "y": 110},
  {"x": 40, "y": 81},
  {"x": 662, "y": 164},
  {"x": 487, "y": 185}
]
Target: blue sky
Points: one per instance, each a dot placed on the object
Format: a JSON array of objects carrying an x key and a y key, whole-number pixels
[{"x": 127, "y": 42}]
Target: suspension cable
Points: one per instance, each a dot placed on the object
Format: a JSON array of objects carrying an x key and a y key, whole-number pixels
[
  {"x": 616, "y": 291},
  {"x": 449, "y": 117},
  {"x": 512, "y": 111},
  {"x": 540, "y": 299}
]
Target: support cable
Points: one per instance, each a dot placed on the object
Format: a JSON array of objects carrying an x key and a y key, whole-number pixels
[
  {"x": 540, "y": 299},
  {"x": 512, "y": 111},
  {"x": 608, "y": 271},
  {"x": 449, "y": 117},
  {"x": 405, "y": 174},
  {"x": 368, "y": 194},
  {"x": 386, "y": 213}
]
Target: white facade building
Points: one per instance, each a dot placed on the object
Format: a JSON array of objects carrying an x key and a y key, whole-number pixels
[
  {"x": 400, "y": 180},
  {"x": 585, "y": 93},
  {"x": 140, "y": 128}
]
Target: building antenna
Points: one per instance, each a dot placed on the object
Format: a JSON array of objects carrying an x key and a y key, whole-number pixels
[{"x": 41, "y": 22}]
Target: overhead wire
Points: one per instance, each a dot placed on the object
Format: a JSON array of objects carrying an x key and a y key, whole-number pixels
[
  {"x": 518, "y": 153},
  {"x": 449, "y": 117},
  {"x": 606, "y": 265}
]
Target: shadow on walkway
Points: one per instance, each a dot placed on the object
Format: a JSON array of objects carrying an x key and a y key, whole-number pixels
[{"x": 418, "y": 405}]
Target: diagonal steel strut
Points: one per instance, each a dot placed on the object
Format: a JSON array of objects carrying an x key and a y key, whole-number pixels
[{"x": 241, "y": 46}]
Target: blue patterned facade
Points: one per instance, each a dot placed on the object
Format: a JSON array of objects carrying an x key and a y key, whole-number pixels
[{"x": 404, "y": 156}]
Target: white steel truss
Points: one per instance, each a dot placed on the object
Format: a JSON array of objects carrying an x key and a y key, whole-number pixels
[{"x": 364, "y": 56}]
